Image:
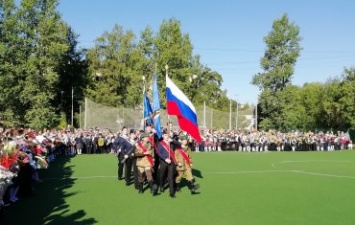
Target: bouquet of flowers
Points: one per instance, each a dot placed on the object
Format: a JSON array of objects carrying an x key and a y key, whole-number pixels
[
  {"x": 5, "y": 180},
  {"x": 41, "y": 162},
  {"x": 5, "y": 175}
]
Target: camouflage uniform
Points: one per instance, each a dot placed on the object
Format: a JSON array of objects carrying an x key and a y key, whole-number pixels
[
  {"x": 143, "y": 164},
  {"x": 184, "y": 169}
]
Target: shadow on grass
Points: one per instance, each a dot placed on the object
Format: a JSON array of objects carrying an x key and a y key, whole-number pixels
[
  {"x": 197, "y": 173},
  {"x": 48, "y": 205}
]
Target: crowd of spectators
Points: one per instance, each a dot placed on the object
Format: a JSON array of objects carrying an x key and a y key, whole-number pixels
[{"x": 239, "y": 140}]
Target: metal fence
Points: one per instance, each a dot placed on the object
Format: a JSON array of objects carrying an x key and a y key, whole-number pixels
[{"x": 114, "y": 118}]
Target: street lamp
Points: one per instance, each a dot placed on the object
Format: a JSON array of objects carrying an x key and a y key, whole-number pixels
[
  {"x": 61, "y": 100},
  {"x": 236, "y": 120},
  {"x": 72, "y": 107},
  {"x": 230, "y": 114},
  {"x": 256, "y": 114}
]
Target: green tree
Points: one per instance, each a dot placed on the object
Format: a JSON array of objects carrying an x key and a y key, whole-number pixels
[
  {"x": 330, "y": 106},
  {"x": 280, "y": 57},
  {"x": 347, "y": 99},
  {"x": 278, "y": 63},
  {"x": 173, "y": 48},
  {"x": 118, "y": 62},
  {"x": 72, "y": 77},
  {"x": 44, "y": 38},
  {"x": 311, "y": 100},
  {"x": 10, "y": 64},
  {"x": 109, "y": 67}
]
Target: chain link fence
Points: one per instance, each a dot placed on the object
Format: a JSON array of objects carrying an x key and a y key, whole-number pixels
[{"x": 114, "y": 118}]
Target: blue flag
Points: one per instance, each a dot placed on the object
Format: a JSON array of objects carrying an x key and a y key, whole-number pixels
[
  {"x": 147, "y": 109},
  {"x": 156, "y": 107}
]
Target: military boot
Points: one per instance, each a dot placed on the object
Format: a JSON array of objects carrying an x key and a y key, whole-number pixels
[
  {"x": 193, "y": 187},
  {"x": 140, "y": 188},
  {"x": 153, "y": 187},
  {"x": 177, "y": 187}
]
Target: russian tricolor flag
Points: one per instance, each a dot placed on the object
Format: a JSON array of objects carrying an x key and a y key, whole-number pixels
[{"x": 178, "y": 104}]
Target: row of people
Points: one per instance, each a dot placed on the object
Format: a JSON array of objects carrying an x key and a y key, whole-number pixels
[{"x": 274, "y": 141}]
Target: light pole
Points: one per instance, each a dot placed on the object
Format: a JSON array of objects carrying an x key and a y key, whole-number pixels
[
  {"x": 236, "y": 120},
  {"x": 256, "y": 114},
  {"x": 230, "y": 114},
  {"x": 72, "y": 106},
  {"x": 143, "y": 82},
  {"x": 61, "y": 100}
]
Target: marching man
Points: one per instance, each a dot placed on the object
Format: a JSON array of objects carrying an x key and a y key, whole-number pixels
[
  {"x": 144, "y": 152},
  {"x": 184, "y": 165}
]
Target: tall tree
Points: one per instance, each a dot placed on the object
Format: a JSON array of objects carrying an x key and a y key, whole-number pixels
[
  {"x": 109, "y": 67},
  {"x": 173, "y": 48},
  {"x": 10, "y": 64},
  {"x": 72, "y": 78},
  {"x": 44, "y": 38},
  {"x": 118, "y": 63},
  {"x": 283, "y": 49}
]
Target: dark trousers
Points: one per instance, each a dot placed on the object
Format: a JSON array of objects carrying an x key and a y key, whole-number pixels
[
  {"x": 156, "y": 167},
  {"x": 167, "y": 171},
  {"x": 120, "y": 167},
  {"x": 128, "y": 169},
  {"x": 135, "y": 173}
]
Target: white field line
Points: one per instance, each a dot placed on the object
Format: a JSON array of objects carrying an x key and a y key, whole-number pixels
[
  {"x": 282, "y": 171},
  {"x": 87, "y": 177},
  {"x": 310, "y": 161},
  {"x": 248, "y": 171},
  {"x": 323, "y": 174}
]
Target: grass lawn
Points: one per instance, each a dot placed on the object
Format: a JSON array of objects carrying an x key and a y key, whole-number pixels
[{"x": 272, "y": 188}]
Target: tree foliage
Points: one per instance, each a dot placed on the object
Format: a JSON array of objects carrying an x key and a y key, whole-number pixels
[
  {"x": 283, "y": 49},
  {"x": 118, "y": 62},
  {"x": 33, "y": 46}
]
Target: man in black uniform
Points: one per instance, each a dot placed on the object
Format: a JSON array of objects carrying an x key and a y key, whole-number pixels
[
  {"x": 122, "y": 145},
  {"x": 167, "y": 162}
]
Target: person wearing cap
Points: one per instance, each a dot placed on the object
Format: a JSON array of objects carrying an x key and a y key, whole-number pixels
[
  {"x": 184, "y": 165},
  {"x": 154, "y": 139},
  {"x": 144, "y": 152}
]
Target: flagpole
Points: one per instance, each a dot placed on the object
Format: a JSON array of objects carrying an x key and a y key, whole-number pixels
[
  {"x": 143, "y": 79},
  {"x": 166, "y": 74}
]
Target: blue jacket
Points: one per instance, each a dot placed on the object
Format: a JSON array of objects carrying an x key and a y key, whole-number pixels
[
  {"x": 123, "y": 144},
  {"x": 164, "y": 154}
]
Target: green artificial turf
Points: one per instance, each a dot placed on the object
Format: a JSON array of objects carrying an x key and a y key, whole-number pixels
[{"x": 272, "y": 188}]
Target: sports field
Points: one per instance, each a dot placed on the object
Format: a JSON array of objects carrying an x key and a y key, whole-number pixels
[{"x": 272, "y": 188}]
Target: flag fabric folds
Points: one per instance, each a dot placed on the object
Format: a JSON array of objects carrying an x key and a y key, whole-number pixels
[
  {"x": 156, "y": 106},
  {"x": 147, "y": 110},
  {"x": 178, "y": 104}
]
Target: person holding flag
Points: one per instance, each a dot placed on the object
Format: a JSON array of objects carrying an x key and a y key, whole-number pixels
[
  {"x": 156, "y": 122},
  {"x": 167, "y": 162},
  {"x": 184, "y": 165},
  {"x": 179, "y": 105},
  {"x": 144, "y": 152}
]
